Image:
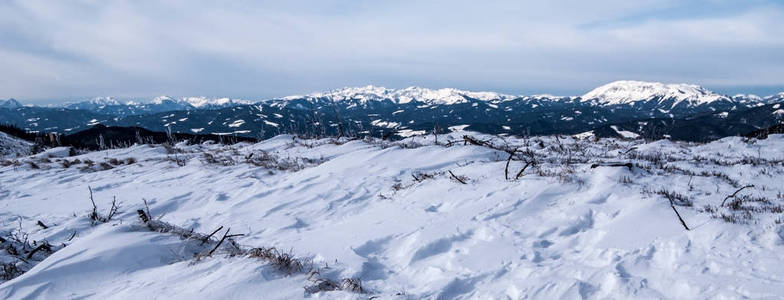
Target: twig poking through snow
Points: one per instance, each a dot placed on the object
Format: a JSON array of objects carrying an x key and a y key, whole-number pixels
[
  {"x": 735, "y": 193},
  {"x": 211, "y": 234},
  {"x": 94, "y": 214},
  {"x": 219, "y": 242}
]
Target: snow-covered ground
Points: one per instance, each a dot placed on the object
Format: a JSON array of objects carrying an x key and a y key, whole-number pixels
[
  {"x": 410, "y": 219},
  {"x": 11, "y": 147}
]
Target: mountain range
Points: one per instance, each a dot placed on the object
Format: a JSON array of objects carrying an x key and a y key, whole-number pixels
[{"x": 621, "y": 108}]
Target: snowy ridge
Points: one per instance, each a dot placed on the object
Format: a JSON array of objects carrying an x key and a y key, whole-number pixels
[
  {"x": 163, "y": 99},
  {"x": 627, "y": 91},
  {"x": 183, "y": 102},
  {"x": 199, "y": 102},
  {"x": 93, "y": 103},
  {"x": 10, "y": 103},
  {"x": 444, "y": 96}
]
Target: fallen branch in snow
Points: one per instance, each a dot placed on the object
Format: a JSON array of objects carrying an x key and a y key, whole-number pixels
[
  {"x": 672, "y": 205},
  {"x": 473, "y": 141},
  {"x": 283, "y": 261},
  {"x": 735, "y": 194},
  {"x": 43, "y": 246},
  {"x": 627, "y": 165},
  {"x": 456, "y": 177},
  {"x": 39, "y": 223},
  {"x": 219, "y": 242},
  {"x": 23, "y": 251},
  {"x": 207, "y": 238}
]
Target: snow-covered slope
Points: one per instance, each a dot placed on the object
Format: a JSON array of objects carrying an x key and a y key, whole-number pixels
[
  {"x": 12, "y": 147},
  {"x": 625, "y": 92},
  {"x": 443, "y": 96},
  {"x": 412, "y": 220}
]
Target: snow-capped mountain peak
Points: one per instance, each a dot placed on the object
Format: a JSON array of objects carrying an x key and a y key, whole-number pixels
[
  {"x": 627, "y": 91},
  {"x": 162, "y": 99},
  {"x": 200, "y": 102},
  {"x": 104, "y": 101},
  {"x": 400, "y": 96},
  {"x": 10, "y": 103}
]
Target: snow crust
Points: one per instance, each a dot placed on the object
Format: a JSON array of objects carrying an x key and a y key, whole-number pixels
[{"x": 357, "y": 211}]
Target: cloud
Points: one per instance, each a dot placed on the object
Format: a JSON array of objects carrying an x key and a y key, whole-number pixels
[{"x": 55, "y": 50}]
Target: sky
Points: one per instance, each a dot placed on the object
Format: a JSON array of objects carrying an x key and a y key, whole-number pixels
[{"x": 54, "y": 51}]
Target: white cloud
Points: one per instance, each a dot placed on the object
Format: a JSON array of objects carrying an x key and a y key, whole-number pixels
[{"x": 260, "y": 49}]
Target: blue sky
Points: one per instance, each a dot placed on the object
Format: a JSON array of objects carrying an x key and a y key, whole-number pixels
[{"x": 64, "y": 50}]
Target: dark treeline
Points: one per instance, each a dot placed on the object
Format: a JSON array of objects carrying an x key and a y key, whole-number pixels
[{"x": 105, "y": 137}]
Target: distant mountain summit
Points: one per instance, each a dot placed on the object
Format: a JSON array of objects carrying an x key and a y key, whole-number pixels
[
  {"x": 10, "y": 103},
  {"x": 627, "y": 92},
  {"x": 94, "y": 104},
  {"x": 205, "y": 102},
  {"x": 444, "y": 96}
]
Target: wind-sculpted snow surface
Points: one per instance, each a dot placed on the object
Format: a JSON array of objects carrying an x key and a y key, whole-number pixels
[{"x": 411, "y": 219}]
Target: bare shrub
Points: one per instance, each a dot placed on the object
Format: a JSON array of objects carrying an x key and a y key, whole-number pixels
[
  {"x": 353, "y": 285},
  {"x": 114, "y": 161},
  {"x": 222, "y": 160},
  {"x": 271, "y": 161},
  {"x": 284, "y": 261},
  {"x": 95, "y": 216},
  {"x": 10, "y": 271},
  {"x": 677, "y": 199}
]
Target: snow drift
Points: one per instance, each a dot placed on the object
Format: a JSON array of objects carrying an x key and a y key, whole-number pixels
[{"x": 411, "y": 219}]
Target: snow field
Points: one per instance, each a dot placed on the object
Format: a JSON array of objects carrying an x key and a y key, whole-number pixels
[{"x": 391, "y": 214}]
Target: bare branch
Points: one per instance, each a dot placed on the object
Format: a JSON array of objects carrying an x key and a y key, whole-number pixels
[
  {"x": 735, "y": 193},
  {"x": 456, "y": 177},
  {"x": 672, "y": 204},
  {"x": 39, "y": 223},
  {"x": 207, "y": 238},
  {"x": 219, "y": 242}
]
